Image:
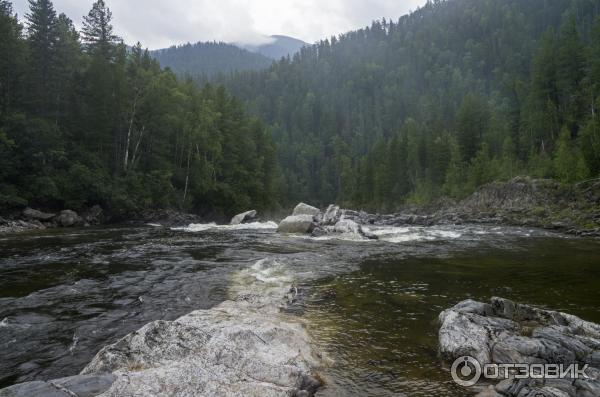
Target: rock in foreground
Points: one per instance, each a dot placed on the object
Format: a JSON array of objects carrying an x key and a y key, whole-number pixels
[
  {"x": 239, "y": 348},
  {"x": 504, "y": 332}
]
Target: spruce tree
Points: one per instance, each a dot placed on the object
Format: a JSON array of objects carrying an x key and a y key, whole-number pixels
[
  {"x": 42, "y": 36},
  {"x": 97, "y": 30}
]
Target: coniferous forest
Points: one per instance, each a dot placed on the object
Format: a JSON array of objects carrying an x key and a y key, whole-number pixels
[
  {"x": 84, "y": 120},
  {"x": 455, "y": 95},
  {"x": 458, "y": 94}
]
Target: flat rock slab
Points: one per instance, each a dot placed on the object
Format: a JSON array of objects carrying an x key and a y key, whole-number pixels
[
  {"x": 505, "y": 332},
  {"x": 234, "y": 349}
]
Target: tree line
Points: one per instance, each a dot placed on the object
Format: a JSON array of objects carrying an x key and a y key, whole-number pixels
[
  {"x": 86, "y": 120},
  {"x": 457, "y": 94}
]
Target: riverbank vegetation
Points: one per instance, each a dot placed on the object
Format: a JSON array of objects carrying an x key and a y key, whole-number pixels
[
  {"x": 86, "y": 120},
  {"x": 455, "y": 95}
]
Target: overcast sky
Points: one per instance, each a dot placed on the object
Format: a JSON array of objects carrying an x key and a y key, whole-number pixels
[{"x": 161, "y": 23}]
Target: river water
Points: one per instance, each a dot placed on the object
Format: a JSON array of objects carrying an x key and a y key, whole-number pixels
[{"x": 370, "y": 305}]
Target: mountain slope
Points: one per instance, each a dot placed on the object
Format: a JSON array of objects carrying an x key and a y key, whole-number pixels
[
  {"x": 205, "y": 60},
  {"x": 281, "y": 46},
  {"x": 454, "y": 95}
]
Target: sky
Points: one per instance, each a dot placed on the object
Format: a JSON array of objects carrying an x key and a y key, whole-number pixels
[{"x": 162, "y": 23}]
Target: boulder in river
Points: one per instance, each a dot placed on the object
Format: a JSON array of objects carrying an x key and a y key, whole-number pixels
[
  {"x": 243, "y": 217},
  {"x": 332, "y": 215},
  {"x": 297, "y": 224},
  {"x": 30, "y": 213},
  {"x": 505, "y": 332},
  {"x": 305, "y": 209},
  {"x": 68, "y": 218}
]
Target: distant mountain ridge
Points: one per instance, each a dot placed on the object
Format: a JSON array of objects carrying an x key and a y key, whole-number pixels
[
  {"x": 281, "y": 46},
  {"x": 201, "y": 61},
  {"x": 204, "y": 60}
]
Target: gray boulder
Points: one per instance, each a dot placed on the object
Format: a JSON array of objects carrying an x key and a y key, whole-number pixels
[
  {"x": 30, "y": 213},
  {"x": 243, "y": 217},
  {"x": 234, "y": 349},
  {"x": 505, "y": 332},
  {"x": 305, "y": 209},
  {"x": 94, "y": 215},
  {"x": 68, "y": 218},
  {"x": 297, "y": 224},
  {"x": 332, "y": 215}
]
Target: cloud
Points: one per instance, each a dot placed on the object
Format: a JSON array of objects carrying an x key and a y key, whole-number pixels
[{"x": 159, "y": 23}]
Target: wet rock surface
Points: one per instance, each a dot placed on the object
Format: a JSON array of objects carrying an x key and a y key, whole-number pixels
[
  {"x": 505, "y": 332},
  {"x": 245, "y": 347},
  {"x": 306, "y": 219},
  {"x": 244, "y": 217}
]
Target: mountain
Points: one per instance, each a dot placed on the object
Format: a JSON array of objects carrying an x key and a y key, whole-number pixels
[
  {"x": 205, "y": 60},
  {"x": 281, "y": 46},
  {"x": 457, "y": 94}
]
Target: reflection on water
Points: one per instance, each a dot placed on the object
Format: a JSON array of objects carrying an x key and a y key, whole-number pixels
[
  {"x": 371, "y": 304},
  {"x": 379, "y": 323}
]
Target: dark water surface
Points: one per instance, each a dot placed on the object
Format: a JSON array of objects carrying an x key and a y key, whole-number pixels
[{"x": 370, "y": 305}]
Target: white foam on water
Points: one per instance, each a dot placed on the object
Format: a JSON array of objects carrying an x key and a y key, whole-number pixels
[
  {"x": 398, "y": 235},
  {"x": 4, "y": 322},
  {"x": 267, "y": 279},
  {"x": 200, "y": 227}
]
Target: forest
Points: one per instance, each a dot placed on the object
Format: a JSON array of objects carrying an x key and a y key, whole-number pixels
[
  {"x": 455, "y": 95},
  {"x": 86, "y": 120},
  {"x": 203, "y": 61}
]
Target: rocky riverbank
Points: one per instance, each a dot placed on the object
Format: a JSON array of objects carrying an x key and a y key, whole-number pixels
[
  {"x": 33, "y": 219},
  {"x": 522, "y": 201},
  {"x": 505, "y": 332},
  {"x": 526, "y": 202}
]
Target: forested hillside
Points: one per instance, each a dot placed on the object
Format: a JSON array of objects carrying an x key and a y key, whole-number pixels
[
  {"x": 201, "y": 61},
  {"x": 457, "y": 94},
  {"x": 84, "y": 121}
]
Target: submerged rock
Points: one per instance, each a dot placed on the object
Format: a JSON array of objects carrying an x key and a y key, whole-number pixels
[
  {"x": 305, "y": 209},
  {"x": 503, "y": 331},
  {"x": 297, "y": 224},
  {"x": 243, "y": 217}
]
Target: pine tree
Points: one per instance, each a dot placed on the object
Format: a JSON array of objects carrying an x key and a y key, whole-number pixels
[
  {"x": 12, "y": 53},
  {"x": 42, "y": 36},
  {"x": 97, "y": 30},
  {"x": 570, "y": 73}
]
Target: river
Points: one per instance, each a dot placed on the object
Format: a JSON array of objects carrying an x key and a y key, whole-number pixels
[{"x": 370, "y": 305}]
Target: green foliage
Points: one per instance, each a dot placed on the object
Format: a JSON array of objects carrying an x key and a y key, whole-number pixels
[
  {"x": 201, "y": 61},
  {"x": 113, "y": 128},
  {"x": 455, "y": 95},
  {"x": 569, "y": 163}
]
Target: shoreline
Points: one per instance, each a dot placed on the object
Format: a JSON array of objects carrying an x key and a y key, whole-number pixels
[{"x": 521, "y": 202}]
